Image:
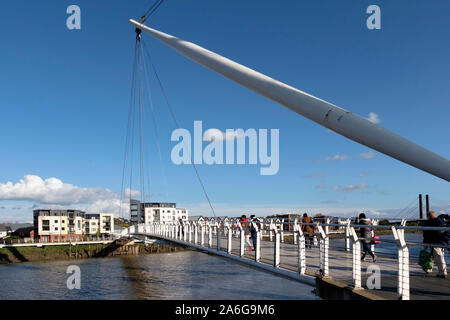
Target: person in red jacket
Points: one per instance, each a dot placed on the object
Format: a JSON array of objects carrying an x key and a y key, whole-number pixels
[{"x": 245, "y": 227}]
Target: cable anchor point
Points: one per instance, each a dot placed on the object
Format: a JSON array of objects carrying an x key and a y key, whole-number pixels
[{"x": 139, "y": 31}]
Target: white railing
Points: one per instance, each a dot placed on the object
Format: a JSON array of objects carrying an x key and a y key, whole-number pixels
[{"x": 193, "y": 233}]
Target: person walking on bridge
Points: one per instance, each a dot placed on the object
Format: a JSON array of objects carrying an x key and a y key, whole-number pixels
[
  {"x": 253, "y": 232},
  {"x": 246, "y": 229},
  {"x": 308, "y": 230},
  {"x": 366, "y": 234},
  {"x": 180, "y": 221},
  {"x": 434, "y": 238}
]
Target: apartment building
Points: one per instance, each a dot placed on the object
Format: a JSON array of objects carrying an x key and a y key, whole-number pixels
[
  {"x": 70, "y": 225},
  {"x": 148, "y": 212}
]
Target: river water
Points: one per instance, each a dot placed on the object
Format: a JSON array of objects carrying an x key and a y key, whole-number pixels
[{"x": 176, "y": 276}]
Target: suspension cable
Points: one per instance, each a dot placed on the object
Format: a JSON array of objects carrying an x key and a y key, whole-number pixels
[
  {"x": 152, "y": 9},
  {"x": 176, "y": 123},
  {"x": 155, "y": 125},
  {"x": 127, "y": 139}
]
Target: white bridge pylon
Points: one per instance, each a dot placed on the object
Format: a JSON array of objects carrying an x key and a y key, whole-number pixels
[{"x": 322, "y": 112}]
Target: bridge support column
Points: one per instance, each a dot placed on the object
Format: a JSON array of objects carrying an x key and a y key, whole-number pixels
[
  {"x": 403, "y": 263},
  {"x": 356, "y": 259}
]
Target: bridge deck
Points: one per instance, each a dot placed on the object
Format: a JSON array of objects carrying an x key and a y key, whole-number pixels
[{"x": 422, "y": 287}]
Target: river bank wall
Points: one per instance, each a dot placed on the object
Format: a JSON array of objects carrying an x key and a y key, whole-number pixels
[{"x": 70, "y": 252}]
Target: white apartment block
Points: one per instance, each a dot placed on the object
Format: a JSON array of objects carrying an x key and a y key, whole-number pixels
[
  {"x": 149, "y": 212},
  {"x": 70, "y": 225}
]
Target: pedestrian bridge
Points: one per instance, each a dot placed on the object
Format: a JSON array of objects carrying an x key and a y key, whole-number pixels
[{"x": 335, "y": 259}]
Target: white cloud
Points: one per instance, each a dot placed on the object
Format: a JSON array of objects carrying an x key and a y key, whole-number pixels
[
  {"x": 350, "y": 188},
  {"x": 368, "y": 155},
  {"x": 53, "y": 193},
  {"x": 51, "y": 190},
  {"x": 338, "y": 157},
  {"x": 374, "y": 118}
]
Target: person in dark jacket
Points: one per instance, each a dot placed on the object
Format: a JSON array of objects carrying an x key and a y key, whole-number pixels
[
  {"x": 253, "y": 232},
  {"x": 433, "y": 237},
  {"x": 308, "y": 230},
  {"x": 366, "y": 234}
]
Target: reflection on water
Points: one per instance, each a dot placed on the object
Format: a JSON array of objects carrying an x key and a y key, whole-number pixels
[{"x": 182, "y": 275}]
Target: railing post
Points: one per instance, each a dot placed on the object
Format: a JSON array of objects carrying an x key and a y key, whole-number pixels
[
  {"x": 356, "y": 259},
  {"x": 261, "y": 233},
  {"x": 270, "y": 231},
  {"x": 258, "y": 243},
  {"x": 301, "y": 257},
  {"x": 202, "y": 235},
  {"x": 190, "y": 230},
  {"x": 276, "y": 246},
  {"x": 295, "y": 235},
  {"x": 229, "y": 234},
  {"x": 323, "y": 250},
  {"x": 242, "y": 241},
  {"x": 218, "y": 235},
  {"x": 372, "y": 245},
  {"x": 403, "y": 263},
  {"x": 347, "y": 235},
  {"x": 209, "y": 235},
  {"x": 282, "y": 230},
  {"x": 195, "y": 232}
]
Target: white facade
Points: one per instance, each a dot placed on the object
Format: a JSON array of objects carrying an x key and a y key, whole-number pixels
[
  {"x": 62, "y": 225},
  {"x": 106, "y": 223},
  {"x": 59, "y": 225},
  {"x": 164, "y": 214}
]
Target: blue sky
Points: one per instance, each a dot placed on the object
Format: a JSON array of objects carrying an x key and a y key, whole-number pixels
[{"x": 65, "y": 95}]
